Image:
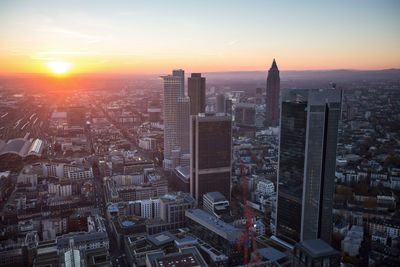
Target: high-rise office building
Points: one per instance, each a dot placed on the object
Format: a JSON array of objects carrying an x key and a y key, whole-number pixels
[
  {"x": 181, "y": 74},
  {"x": 211, "y": 153},
  {"x": 307, "y": 158},
  {"x": 183, "y": 124},
  {"x": 272, "y": 100},
  {"x": 228, "y": 106},
  {"x": 245, "y": 114},
  {"x": 197, "y": 93},
  {"x": 174, "y": 122},
  {"x": 220, "y": 103}
]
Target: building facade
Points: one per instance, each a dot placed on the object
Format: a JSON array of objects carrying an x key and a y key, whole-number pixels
[
  {"x": 272, "y": 100},
  {"x": 245, "y": 114},
  {"x": 174, "y": 86},
  {"x": 220, "y": 105},
  {"x": 315, "y": 252},
  {"x": 197, "y": 93},
  {"x": 211, "y": 153},
  {"x": 307, "y": 160}
]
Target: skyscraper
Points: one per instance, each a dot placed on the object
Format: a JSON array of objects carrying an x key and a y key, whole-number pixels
[
  {"x": 245, "y": 114},
  {"x": 181, "y": 74},
  {"x": 197, "y": 93},
  {"x": 221, "y": 103},
  {"x": 211, "y": 153},
  {"x": 183, "y": 124},
  {"x": 272, "y": 100},
  {"x": 174, "y": 120},
  {"x": 228, "y": 106},
  {"x": 307, "y": 158}
]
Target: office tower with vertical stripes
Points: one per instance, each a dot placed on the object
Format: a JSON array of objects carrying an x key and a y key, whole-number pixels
[
  {"x": 176, "y": 124},
  {"x": 307, "y": 161}
]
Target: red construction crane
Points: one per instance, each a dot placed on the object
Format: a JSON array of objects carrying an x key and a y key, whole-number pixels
[{"x": 248, "y": 234}]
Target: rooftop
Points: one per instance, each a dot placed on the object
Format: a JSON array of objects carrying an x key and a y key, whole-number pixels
[
  {"x": 210, "y": 222},
  {"x": 317, "y": 248},
  {"x": 162, "y": 238},
  {"x": 183, "y": 171},
  {"x": 271, "y": 254},
  {"x": 215, "y": 196},
  {"x": 59, "y": 115},
  {"x": 189, "y": 256},
  {"x": 21, "y": 147}
]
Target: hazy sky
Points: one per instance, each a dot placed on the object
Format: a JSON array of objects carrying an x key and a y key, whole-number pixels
[{"x": 156, "y": 36}]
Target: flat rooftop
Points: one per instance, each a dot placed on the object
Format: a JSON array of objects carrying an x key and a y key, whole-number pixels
[
  {"x": 214, "y": 224},
  {"x": 271, "y": 254},
  {"x": 183, "y": 260},
  {"x": 317, "y": 248},
  {"x": 161, "y": 238},
  {"x": 185, "y": 257},
  {"x": 215, "y": 196}
]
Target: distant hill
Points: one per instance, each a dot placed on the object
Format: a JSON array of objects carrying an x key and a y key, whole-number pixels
[{"x": 340, "y": 75}]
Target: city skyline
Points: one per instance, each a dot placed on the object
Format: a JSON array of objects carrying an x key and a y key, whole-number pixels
[
  {"x": 135, "y": 37},
  {"x": 279, "y": 146}
]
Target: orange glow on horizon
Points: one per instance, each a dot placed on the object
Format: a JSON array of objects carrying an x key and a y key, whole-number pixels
[{"x": 66, "y": 63}]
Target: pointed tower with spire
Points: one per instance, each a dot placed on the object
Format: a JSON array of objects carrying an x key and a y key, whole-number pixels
[{"x": 272, "y": 100}]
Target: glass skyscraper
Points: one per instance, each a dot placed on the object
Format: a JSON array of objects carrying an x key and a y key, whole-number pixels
[
  {"x": 197, "y": 93},
  {"x": 307, "y": 158}
]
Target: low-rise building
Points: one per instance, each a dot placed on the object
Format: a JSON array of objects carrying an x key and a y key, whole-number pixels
[
  {"x": 215, "y": 233},
  {"x": 315, "y": 252},
  {"x": 189, "y": 256},
  {"x": 380, "y": 237},
  {"x": 215, "y": 203},
  {"x": 352, "y": 242}
]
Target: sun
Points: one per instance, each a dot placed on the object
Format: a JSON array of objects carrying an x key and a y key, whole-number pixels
[{"x": 59, "y": 67}]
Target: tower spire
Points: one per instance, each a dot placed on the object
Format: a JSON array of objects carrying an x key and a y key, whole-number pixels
[{"x": 274, "y": 66}]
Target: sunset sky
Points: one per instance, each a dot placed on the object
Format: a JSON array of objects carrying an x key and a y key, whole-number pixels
[{"x": 157, "y": 36}]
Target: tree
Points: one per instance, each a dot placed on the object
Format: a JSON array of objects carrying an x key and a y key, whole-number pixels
[
  {"x": 370, "y": 203},
  {"x": 361, "y": 189},
  {"x": 344, "y": 192}
]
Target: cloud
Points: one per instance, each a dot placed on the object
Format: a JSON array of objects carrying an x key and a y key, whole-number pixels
[
  {"x": 233, "y": 42},
  {"x": 42, "y": 58},
  {"x": 68, "y": 53},
  {"x": 75, "y": 34}
]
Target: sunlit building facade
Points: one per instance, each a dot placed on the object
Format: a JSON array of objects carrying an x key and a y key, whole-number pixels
[{"x": 174, "y": 103}]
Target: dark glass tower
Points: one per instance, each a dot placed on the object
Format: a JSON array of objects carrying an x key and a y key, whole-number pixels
[
  {"x": 197, "y": 93},
  {"x": 272, "y": 100},
  {"x": 211, "y": 153},
  {"x": 307, "y": 158},
  {"x": 221, "y": 104}
]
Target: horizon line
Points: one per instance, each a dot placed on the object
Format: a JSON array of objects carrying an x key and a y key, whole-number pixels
[{"x": 146, "y": 73}]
